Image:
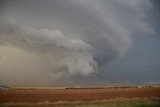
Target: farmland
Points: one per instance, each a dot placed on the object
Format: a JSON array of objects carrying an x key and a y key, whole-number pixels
[{"x": 79, "y": 96}]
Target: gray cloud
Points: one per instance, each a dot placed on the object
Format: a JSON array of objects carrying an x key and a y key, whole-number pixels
[
  {"x": 73, "y": 36},
  {"x": 61, "y": 51}
]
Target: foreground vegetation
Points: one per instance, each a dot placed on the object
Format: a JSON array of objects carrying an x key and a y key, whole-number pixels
[{"x": 118, "y": 102}]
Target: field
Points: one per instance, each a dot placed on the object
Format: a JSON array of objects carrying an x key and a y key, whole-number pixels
[{"x": 80, "y": 97}]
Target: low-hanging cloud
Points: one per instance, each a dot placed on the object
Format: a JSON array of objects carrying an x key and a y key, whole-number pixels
[
  {"x": 73, "y": 55},
  {"x": 73, "y": 37}
]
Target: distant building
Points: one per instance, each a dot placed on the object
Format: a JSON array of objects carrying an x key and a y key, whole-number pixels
[{"x": 139, "y": 86}]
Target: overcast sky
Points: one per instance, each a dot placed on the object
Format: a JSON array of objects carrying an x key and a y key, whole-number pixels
[{"x": 79, "y": 42}]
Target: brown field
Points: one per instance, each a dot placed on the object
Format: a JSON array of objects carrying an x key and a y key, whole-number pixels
[{"x": 30, "y": 95}]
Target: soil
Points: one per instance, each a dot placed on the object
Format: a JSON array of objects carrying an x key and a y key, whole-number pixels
[{"x": 54, "y": 95}]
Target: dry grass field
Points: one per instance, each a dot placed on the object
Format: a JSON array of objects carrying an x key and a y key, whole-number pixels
[{"x": 80, "y": 97}]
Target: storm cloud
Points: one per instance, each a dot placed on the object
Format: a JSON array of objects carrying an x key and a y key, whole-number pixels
[{"x": 64, "y": 39}]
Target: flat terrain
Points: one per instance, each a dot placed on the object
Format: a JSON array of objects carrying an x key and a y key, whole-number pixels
[
  {"x": 54, "y": 95},
  {"x": 91, "y": 97}
]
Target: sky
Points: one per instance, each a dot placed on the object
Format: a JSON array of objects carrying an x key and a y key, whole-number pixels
[{"x": 79, "y": 42}]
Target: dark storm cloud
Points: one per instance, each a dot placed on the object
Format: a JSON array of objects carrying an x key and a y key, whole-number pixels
[{"x": 72, "y": 36}]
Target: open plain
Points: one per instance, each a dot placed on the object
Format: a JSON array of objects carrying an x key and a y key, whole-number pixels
[{"x": 78, "y": 96}]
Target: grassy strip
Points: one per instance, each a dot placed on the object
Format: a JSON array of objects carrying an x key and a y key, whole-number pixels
[{"x": 119, "y": 102}]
